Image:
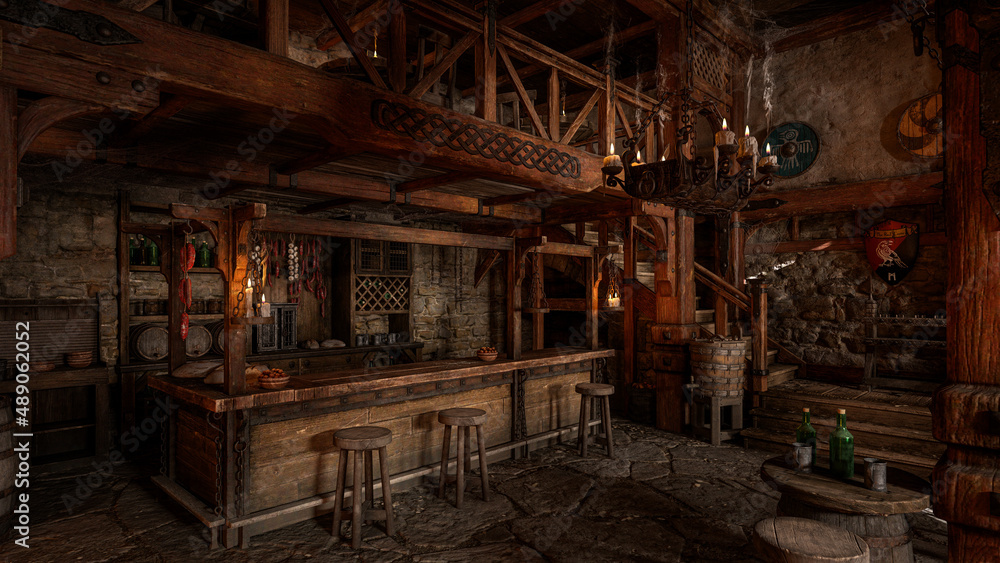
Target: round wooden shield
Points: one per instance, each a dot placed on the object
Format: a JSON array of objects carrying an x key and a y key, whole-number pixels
[
  {"x": 921, "y": 127},
  {"x": 796, "y": 146}
]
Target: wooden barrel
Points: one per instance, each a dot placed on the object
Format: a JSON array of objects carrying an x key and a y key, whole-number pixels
[
  {"x": 218, "y": 330},
  {"x": 887, "y": 536},
  {"x": 719, "y": 367},
  {"x": 149, "y": 342},
  {"x": 8, "y": 464},
  {"x": 199, "y": 341},
  {"x": 806, "y": 541}
]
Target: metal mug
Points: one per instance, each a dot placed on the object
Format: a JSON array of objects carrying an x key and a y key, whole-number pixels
[
  {"x": 875, "y": 470},
  {"x": 380, "y": 338},
  {"x": 803, "y": 457},
  {"x": 361, "y": 340},
  {"x": 393, "y": 336}
]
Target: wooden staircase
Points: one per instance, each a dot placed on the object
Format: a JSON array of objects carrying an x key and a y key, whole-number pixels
[{"x": 891, "y": 425}]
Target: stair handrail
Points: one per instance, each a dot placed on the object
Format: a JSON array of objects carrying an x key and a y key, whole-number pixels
[{"x": 726, "y": 290}]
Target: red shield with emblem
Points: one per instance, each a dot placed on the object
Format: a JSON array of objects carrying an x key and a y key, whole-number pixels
[{"x": 892, "y": 249}]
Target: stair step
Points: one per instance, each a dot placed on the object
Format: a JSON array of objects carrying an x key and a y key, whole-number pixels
[
  {"x": 780, "y": 373},
  {"x": 891, "y": 438},
  {"x": 704, "y": 315},
  {"x": 767, "y": 440}
]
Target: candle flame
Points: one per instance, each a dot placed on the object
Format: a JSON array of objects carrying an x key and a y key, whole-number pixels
[
  {"x": 767, "y": 149},
  {"x": 612, "y": 148},
  {"x": 263, "y": 298},
  {"x": 747, "y": 132},
  {"x": 663, "y": 158},
  {"x": 638, "y": 156},
  {"x": 725, "y": 126}
]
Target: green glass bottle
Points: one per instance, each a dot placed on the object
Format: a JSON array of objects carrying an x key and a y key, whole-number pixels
[
  {"x": 152, "y": 253},
  {"x": 134, "y": 253},
  {"x": 204, "y": 257},
  {"x": 806, "y": 434},
  {"x": 842, "y": 448}
]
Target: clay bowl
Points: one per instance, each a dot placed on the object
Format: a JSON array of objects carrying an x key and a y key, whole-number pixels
[
  {"x": 487, "y": 356},
  {"x": 273, "y": 382},
  {"x": 41, "y": 367},
  {"x": 78, "y": 363}
]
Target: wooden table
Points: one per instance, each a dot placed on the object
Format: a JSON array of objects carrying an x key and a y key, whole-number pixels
[{"x": 879, "y": 518}]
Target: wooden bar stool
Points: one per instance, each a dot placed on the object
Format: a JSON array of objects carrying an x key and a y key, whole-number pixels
[
  {"x": 362, "y": 440},
  {"x": 587, "y": 392},
  {"x": 463, "y": 419},
  {"x": 800, "y": 540},
  {"x": 707, "y": 421}
]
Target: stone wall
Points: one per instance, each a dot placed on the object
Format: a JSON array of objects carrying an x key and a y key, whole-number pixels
[{"x": 852, "y": 91}]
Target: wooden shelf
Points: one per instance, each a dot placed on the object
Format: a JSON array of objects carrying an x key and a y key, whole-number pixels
[
  {"x": 156, "y": 269},
  {"x": 163, "y": 318},
  {"x": 62, "y": 426}
]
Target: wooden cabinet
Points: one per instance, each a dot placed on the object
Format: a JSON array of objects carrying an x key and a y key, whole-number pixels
[{"x": 376, "y": 257}]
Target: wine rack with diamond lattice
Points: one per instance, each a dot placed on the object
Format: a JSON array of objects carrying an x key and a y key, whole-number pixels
[{"x": 382, "y": 294}]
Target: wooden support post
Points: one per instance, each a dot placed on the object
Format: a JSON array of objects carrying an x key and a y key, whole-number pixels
[
  {"x": 397, "y": 49},
  {"x": 486, "y": 77},
  {"x": 170, "y": 253},
  {"x": 628, "y": 274},
  {"x": 606, "y": 115},
  {"x": 8, "y": 171},
  {"x": 965, "y": 479},
  {"x": 273, "y": 16},
  {"x": 236, "y": 308},
  {"x": 722, "y": 264},
  {"x": 555, "y": 105},
  {"x": 538, "y": 319},
  {"x": 593, "y": 279},
  {"x": 758, "y": 342},
  {"x": 515, "y": 273}
]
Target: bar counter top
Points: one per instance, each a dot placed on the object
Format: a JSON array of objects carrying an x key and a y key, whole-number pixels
[{"x": 344, "y": 382}]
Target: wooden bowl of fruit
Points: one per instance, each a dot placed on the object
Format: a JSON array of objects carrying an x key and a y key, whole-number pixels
[
  {"x": 487, "y": 353},
  {"x": 273, "y": 379}
]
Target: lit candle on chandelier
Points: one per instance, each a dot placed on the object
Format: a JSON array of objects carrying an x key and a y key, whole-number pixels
[
  {"x": 613, "y": 159},
  {"x": 769, "y": 159},
  {"x": 248, "y": 297},
  {"x": 725, "y": 137},
  {"x": 614, "y": 300},
  {"x": 638, "y": 158},
  {"x": 748, "y": 145}
]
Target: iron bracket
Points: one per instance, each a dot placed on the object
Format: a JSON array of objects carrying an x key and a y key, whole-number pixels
[
  {"x": 961, "y": 56},
  {"x": 85, "y": 26}
]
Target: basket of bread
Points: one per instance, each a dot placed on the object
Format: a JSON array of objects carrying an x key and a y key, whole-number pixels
[{"x": 273, "y": 379}]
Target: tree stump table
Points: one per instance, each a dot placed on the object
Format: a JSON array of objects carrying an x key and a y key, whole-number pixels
[{"x": 879, "y": 518}]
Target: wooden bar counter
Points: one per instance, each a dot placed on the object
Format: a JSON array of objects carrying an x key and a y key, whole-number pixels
[{"x": 281, "y": 466}]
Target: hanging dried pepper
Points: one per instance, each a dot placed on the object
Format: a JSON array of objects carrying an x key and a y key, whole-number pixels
[
  {"x": 185, "y": 292},
  {"x": 184, "y": 325}
]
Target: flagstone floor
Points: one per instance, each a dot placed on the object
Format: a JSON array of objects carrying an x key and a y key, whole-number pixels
[{"x": 666, "y": 498}]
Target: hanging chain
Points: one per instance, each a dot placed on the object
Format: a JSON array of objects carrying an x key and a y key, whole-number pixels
[
  {"x": 218, "y": 457},
  {"x": 917, "y": 27},
  {"x": 240, "y": 447}
]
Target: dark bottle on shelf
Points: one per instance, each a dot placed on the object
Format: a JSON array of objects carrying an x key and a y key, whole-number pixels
[
  {"x": 806, "y": 434},
  {"x": 203, "y": 259},
  {"x": 134, "y": 252},
  {"x": 152, "y": 253},
  {"x": 842, "y": 448}
]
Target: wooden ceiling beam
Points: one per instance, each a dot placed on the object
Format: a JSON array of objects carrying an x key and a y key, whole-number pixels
[
  {"x": 431, "y": 78},
  {"x": 315, "y": 160},
  {"x": 329, "y": 38},
  {"x": 875, "y": 12},
  {"x": 137, "y": 5},
  {"x": 370, "y": 231},
  {"x": 917, "y": 189},
  {"x": 708, "y": 18},
  {"x": 326, "y": 205},
  {"x": 170, "y": 105},
  {"x": 531, "y": 12},
  {"x": 421, "y": 184},
  {"x": 359, "y": 54}
]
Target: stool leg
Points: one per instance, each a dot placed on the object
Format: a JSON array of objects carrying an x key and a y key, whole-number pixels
[
  {"x": 444, "y": 459},
  {"x": 482, "y": 462},
  {"x": 468, "y": 449},
  {"x": 580, "y": 436},
  {"x": 370, "y": 485},
  {"x": 383, "y": 463},
  {"x": 585, "y": 425},
  {"x": 460, "y": 472},
  {"x": 738, "y": 415},
  {"x": 606, "y": 402},
  {"x": 338, "y": 503},
  {"x": 356, "y": 503}
]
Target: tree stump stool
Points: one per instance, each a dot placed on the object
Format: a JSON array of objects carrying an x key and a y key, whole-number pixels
[
  {"x": 464, "y": 420},
  {"x": 362, "y": 440},
  {"x": 587, "y": 392},
  {"x": 710, "y": 427},
  {"x": 799, "y": 540}
]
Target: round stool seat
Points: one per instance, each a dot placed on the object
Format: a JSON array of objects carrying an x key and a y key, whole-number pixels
[
  {"x": 595, "y": 389},
  {"x": 801, "y": 539},
  {"x": 362, "y": 438},
  {"x": 462, "y": 417}
]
